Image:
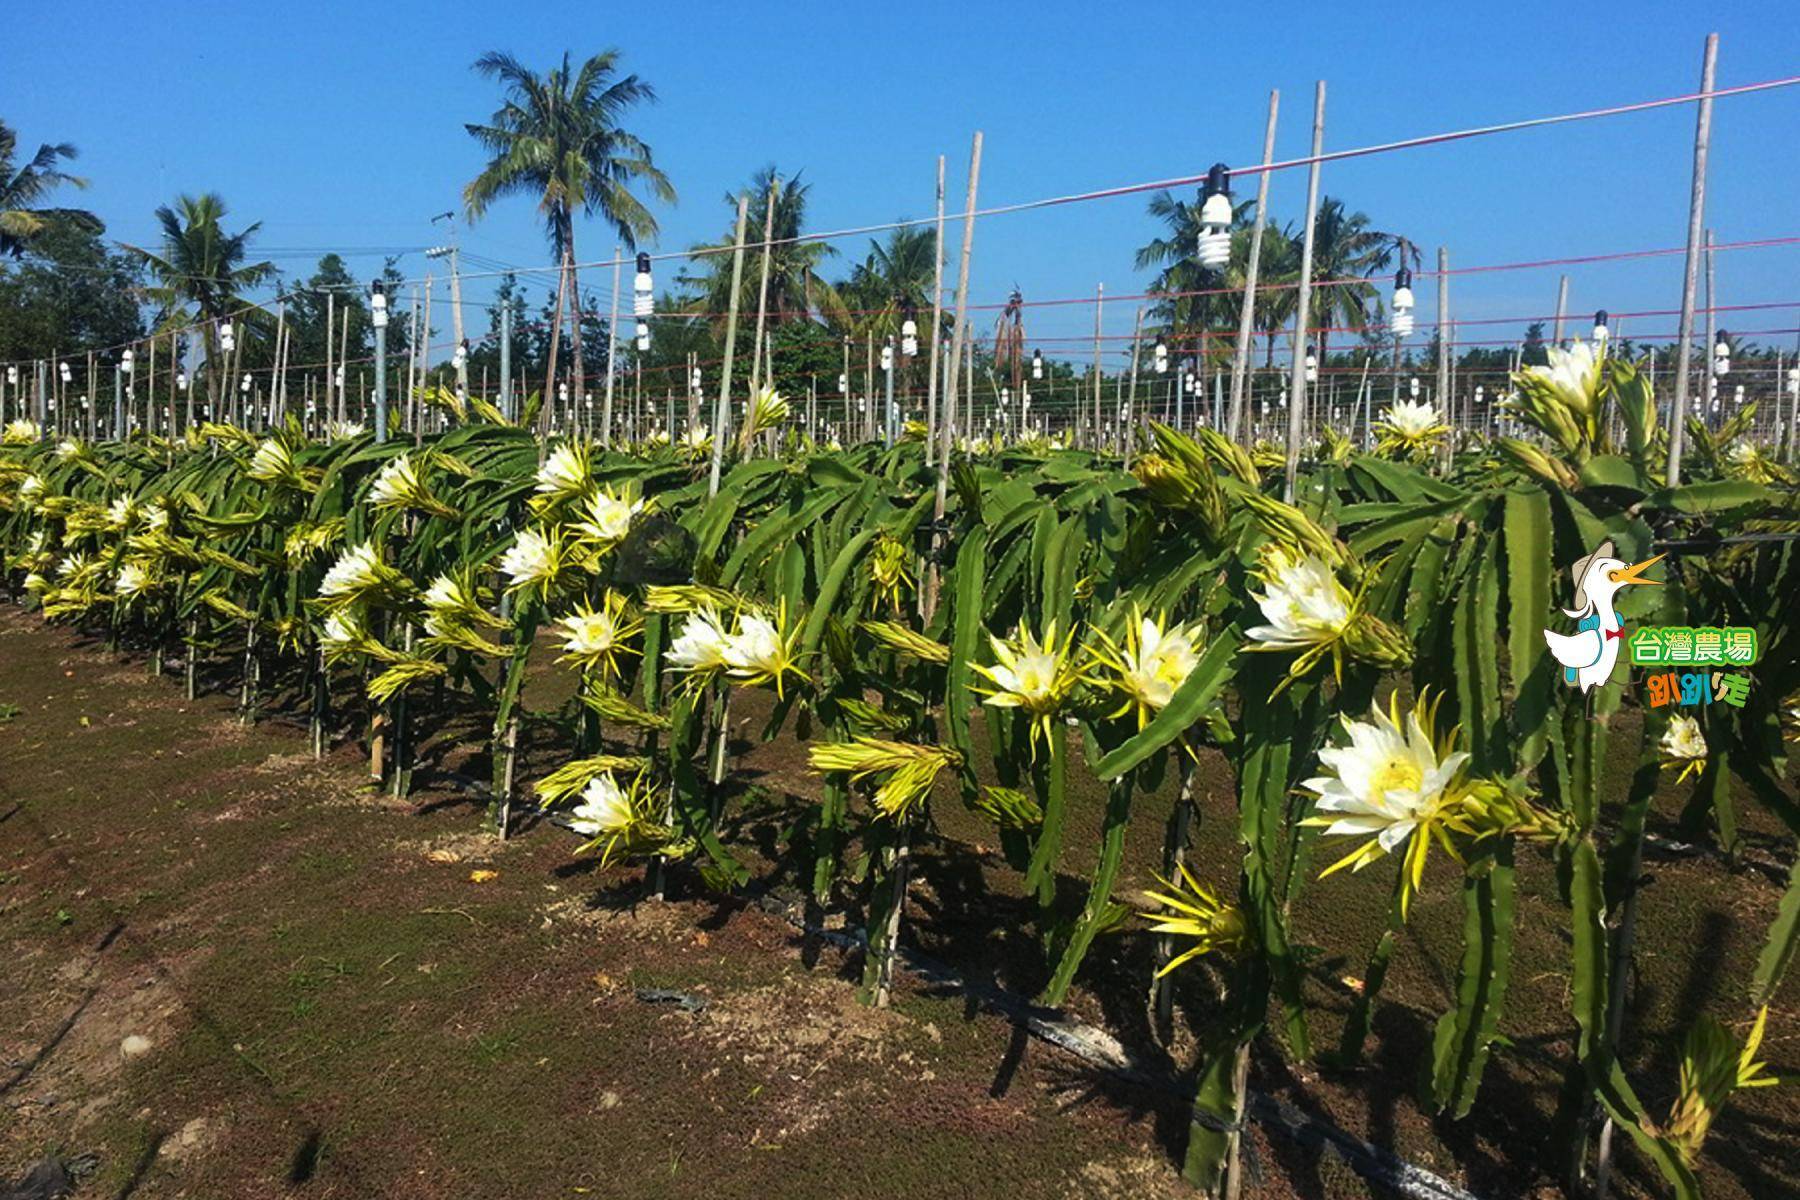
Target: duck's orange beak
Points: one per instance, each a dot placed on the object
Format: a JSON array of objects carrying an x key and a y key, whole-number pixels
[{"x": 1635, "y": 572}]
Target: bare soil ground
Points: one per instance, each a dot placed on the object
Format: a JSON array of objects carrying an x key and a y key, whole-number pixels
[{"x": 234, "y": 971}]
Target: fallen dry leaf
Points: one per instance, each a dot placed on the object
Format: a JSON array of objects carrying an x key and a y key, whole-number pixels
[
  {"x": 483, "y": 876},
  {"x": 444, "y": 856}
]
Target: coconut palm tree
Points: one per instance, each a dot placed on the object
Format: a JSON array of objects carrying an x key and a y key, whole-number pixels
[
  {"x": 201, "y": 268},
  {"x": 796, "y": 289},
  {"x": 1190, "y": 300},
  {"x": 557, "y": 137},
  {"x": 897, "y": 272},
  {"x": 23, "y": 188},
  {"x": 1346, "y": 247}
]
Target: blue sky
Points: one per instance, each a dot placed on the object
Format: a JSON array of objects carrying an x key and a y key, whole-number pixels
[{"x": 340, "y": 125}]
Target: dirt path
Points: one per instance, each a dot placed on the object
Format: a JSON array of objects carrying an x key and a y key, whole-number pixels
[{"x": 233, "y": 973}]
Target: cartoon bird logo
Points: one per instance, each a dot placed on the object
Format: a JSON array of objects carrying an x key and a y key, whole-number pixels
[{"x": 1589, "y": 655}]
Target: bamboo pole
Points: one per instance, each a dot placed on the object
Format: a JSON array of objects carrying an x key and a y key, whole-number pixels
[
  {"x": 1099, "y": 303},
  {"x": 1302, "y": 310},
  {"x": 1240, "y": 361},
  {"x": 959, "y": 333},
  {"x": 937, "y": 441},
  {"x": 1444, "y": 398},
  {"x": 1691, "y": 263},
  {"x": 722, "y": 410},
  {"x": 762, "y": 289},
  {"x": 612, "y": 356},
  {"x": 1709, "y": 391}
]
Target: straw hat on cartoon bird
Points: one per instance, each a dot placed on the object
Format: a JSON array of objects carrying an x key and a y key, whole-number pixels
[{"x": 1589, "y": 655}]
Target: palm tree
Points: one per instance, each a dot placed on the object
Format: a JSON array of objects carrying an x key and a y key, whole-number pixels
[
  {"x": 1190, "y": 302},
  {"x": 557, "y": 137},
  {"x": 1345, "y": 247},
  {"x": 23, "y": 188},
  {"x": 201, "y": 268},
  {"x": 796, "y": 289},
  {"x": 896, "y": 273}
]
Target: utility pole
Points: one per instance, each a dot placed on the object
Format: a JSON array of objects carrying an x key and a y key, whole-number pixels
[
  {"x": 1562, "y": 304},
  {"x": 1691, "y": 264},
  {"x": 1303, "y": 307}
]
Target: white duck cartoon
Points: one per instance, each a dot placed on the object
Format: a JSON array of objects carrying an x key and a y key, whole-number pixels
[{"x": 1589, "y": 655}]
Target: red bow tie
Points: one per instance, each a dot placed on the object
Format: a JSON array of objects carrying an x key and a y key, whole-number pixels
[{"x": 1616, "y": 633}]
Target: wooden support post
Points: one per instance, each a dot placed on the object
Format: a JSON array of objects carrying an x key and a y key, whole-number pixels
[
  {"x": 1691, "y": 264},
  {"x": 1303, "y": 307},
  {"x": 722, "y": 410},
  {"x": 1240, "y": 360}
]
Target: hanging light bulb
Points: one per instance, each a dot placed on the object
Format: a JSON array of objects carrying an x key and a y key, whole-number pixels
[
  {"x": 12, "y": 376},
  {"x": 1402, "y": 324},
  {"x": 378, "y": 310},
  {"x": 181, "y": 380},
  {"x": 244, "y": 384},
  {"x": 1312, "y": 366},
  {"x": 1161, "y": 355},
  {"x": 587, "y": 398},
  {"x": 1793, "y": 381},
  {"x": 125, "y": 361},
  {"x": 1738, "y": 395},
  {"x": 227, "y": 337},
  {"x": 643, "y": 336},
  {"x": 1412, "y": 387},
  {"x": 1215, "y": 218},
  {"x": 338, "y": 379},
  {"x": 459, "y": 358},
  {"x": 1601, "y": 332},
  {"x": 562, "y": 392},
  {"x": 1037, "y": 364},
  {"x": 843, "y": 384},
  {"x": 694, "y": 380},
  {"x": 1721, "y": 355},
  {"x": 909, "y": 330},
  {"x": 68, "y": 376},
  {"x": 887, "y": 355},
  {"x": 643, "y": 289},
  {"x": 1005, "y": 397}
]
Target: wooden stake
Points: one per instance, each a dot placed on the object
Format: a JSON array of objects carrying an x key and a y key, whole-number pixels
[
  {"x": 722, "y": 410},
  {"x": 612, "y": 356},
  {"x": 960, "y": 333},
  {"x": 1303, "y": 308},
  {"x": 762, "y": 290},
  {"x": 1691, "y": 264},
  {"x": 1240, "y": 361},
  {"x": 1443, "y": 341},
  {"x": 1709, "y": 391}
]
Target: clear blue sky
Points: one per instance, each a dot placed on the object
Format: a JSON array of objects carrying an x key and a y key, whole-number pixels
[{"x": 340, "y": 125}]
